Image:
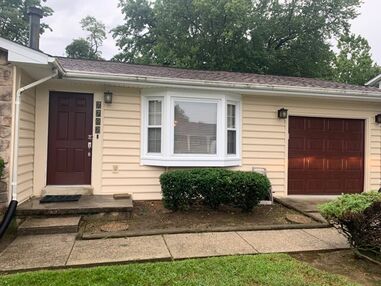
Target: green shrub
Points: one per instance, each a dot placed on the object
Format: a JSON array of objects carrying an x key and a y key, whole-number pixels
[
  {"x": 2, "y": 167},
  {"x": 348, "y": 204},
  {"x": 358, "y": 217},
  {"x": 247, "y": 189},
  {"x": 213, "y": 187}
]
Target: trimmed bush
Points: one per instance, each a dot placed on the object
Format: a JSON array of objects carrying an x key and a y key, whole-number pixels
[
  {"x": 358, "y": 217},
  {"x": 213, "y": 187}
]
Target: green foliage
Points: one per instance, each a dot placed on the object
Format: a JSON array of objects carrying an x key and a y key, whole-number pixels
[
  {"x": 2, "y": 167},
  {"x": 88, "y": 48},
  {"x": 359, "y": 218},
  {"x": 262, "y": 269},
  {"x": 14, "y": 21},
  {"x": 213, "y": 186},
  {"x": 348, "y": 204},
  {"x": 354, "y": 62},
  {"x": 262, "y": 36},
  {"x": 80, "y": 49}
]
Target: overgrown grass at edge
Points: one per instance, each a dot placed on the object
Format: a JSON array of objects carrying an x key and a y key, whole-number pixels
[{"x": 274, "y": 269}]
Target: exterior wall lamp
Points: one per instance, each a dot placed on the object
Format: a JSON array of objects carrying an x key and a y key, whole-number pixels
[
  {"x": 108, "y": 97},
  {"x": 377, "y": 118},
  {"x": 283, "y": 113}
]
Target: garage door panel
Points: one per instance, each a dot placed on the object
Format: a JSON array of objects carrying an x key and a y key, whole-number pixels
[
  {"x": 296, "y": 143},
  {"x": 296, "y": 163},
  {"x": 315, "y": 164},
  {"x": 314, "y": 185},
  {"x": 326, "y": 156},
  {"x": 297, "y": 124},
  {"x": 336, "y": 125},
  {"x": 354, "y": 126},
  {"x": 315, "y": 144},
  {"x": 353, "y": 146},
  {"x": 297, "y": 185},
  {"x": 334, "y": 145},
  {"x": 352, "y": 185},
  {"x": 335, "y": 164},
  {"x": 354, "y": 164},
  {"x": 334, "y": 185},
  {"x": 315, "y": 124}
]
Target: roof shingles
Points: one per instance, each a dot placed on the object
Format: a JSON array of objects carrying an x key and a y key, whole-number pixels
[{"x": 108, "y": 67}]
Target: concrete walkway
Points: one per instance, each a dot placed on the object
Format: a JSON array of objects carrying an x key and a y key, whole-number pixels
[
  {"x": 63, "y": 250},
  {"x": 307, "y": 205}
]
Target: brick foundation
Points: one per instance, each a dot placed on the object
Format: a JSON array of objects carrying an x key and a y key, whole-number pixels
[{"x": 5, "y": 119}]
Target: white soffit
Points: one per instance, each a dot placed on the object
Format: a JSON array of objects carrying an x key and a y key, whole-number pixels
[{"x": 21, "y": 54}]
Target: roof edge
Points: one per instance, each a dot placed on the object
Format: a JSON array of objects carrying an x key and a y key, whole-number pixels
[
  {"x": 219, "y": 85},
  {"x": 373, "y": 81}
]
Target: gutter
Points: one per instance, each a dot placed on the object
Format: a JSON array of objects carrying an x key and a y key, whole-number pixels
[
  {"x": 16, "y": 130},
  {"x": 244, "y": 88}
]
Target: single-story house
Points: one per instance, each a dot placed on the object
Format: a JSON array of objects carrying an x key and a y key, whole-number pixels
[{"x": 113, "y": 128}]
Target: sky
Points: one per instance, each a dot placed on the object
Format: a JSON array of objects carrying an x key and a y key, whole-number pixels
[{"x": 68, "y": 13}]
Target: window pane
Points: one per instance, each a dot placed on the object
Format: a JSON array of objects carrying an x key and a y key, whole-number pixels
[
  {"x": 232, "y": 142},
  {"x": 154, "y": 140},
  {"x": 231, "y": 116},
  {"x": 154, "y": 112},
  {"x": 195, "y": 128}
]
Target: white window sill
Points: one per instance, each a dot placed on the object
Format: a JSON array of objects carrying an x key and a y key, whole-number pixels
[{"x": 191, "y": 162}]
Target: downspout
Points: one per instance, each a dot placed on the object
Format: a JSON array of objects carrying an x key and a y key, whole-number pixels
[
  {"x": 9, "y": 214},
  {"x": 16, "y": 136}
]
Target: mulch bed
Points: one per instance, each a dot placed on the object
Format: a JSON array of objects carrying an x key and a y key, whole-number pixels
[{"x": 151, "y": 216}]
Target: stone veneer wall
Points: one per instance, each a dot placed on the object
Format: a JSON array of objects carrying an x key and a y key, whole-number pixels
[{"x": 5, "y": 117}]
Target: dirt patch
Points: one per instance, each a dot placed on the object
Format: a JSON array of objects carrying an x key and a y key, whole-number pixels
[
  {"x": 344, "y": 262},
  {"x": 151, "y": 215}
]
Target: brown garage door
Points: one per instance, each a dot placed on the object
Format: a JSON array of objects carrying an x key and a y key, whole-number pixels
[{"x": 326, "y": 156}]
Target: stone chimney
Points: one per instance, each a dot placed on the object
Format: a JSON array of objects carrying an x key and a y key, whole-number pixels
[{"x": 35, "y": 14}]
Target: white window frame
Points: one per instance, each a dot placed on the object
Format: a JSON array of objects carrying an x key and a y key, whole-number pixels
[
  {"x": 167, "y": 157},
  {"x": 145, "y": 122},
  {"x": 237, "y": 128},
  {"x": 172, "y": 130}
]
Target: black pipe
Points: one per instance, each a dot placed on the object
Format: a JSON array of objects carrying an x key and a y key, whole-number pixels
[{"x": 8, "y": 216}]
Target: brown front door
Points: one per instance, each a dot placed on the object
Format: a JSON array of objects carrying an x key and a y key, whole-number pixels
[
  {"x": 326, "y": 156},
  {"x": 69, "y": 143}
]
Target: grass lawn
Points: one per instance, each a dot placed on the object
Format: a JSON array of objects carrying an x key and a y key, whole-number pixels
[{"x": 274, "y": 269}]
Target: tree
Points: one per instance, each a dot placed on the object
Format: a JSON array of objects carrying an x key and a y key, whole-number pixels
[
  {"x": 14, "y": 21},
  {"x": 88, "y": 48},
  {"x": 289, "y": 37},
  {"x": 80, "y": 49},
  {"x": 354, "y": 62}
]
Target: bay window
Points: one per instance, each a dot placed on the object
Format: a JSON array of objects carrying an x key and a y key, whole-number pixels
[
  {"x": 183, "y": 128},
  {"x": 195, "y": 127}
]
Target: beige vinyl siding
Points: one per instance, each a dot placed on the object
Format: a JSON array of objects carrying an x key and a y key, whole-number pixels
[
  {"x": 116, "y": 166},
  {"x": 121, "y": 149},
  {"x": 264, "y": 136},
  {"x": 25, "y": 171},
  {"x": 264, "y": 141}
]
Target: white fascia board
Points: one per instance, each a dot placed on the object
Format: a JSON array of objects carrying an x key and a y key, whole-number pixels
[
  {"x": 20, "y": 54},
  {"x": 374, "y": 81},
  {"x": 242, "y": 88}
]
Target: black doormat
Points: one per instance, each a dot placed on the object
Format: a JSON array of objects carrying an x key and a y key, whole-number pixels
[{"x": 59, "y": 199}]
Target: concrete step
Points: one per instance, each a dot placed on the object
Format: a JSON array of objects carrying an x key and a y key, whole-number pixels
[
  {"x": 85, "y": 206},
  {"x": 67, "y": 190},
  {"x": 52, "y": 225}
]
